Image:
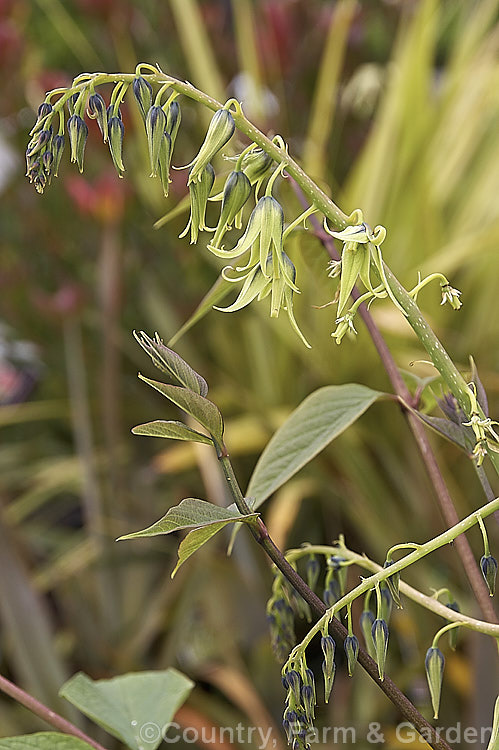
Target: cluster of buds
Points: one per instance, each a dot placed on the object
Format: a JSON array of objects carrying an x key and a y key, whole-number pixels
[
  {"x": 280, "y": 617},
  {"x": 44, "y": 151},
  {"x": 299, "y": 711}
]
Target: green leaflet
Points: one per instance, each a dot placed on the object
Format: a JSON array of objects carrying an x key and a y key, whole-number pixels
[
  {"x": 320, "y": 418},
  {"x": 171, "y": 429},
  {"x": 127, "y": 705},
  {"x": 202, "y": 518},
  {"x": 203, "y": 410},
  {"x": 170, "y": 362}
]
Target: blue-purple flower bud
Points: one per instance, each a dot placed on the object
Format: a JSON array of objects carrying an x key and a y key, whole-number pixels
[
  {"x": 308, "y": 702},
  {"x": 155, "y": 129},
  {"x": 312, "y": 569},
  {"x": 328, "y": 666},
  {"x": 38, "y": 142},
  {"x": 96, "y": 110},
  {"x": 351, "y": 646},
  {"x": 173, "y": 119},
  {"x": 488, "y": 565},
  {"x": 142, "y": 91},
  {"x": 71, "y": 103},
  {"x": 116, "y": 131},
  {"x": 78, "y": 133},
  {"x": 57, "y": 149}
]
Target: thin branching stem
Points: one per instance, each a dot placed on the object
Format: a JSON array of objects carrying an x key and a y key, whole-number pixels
[{"x": 50, "y": 717}]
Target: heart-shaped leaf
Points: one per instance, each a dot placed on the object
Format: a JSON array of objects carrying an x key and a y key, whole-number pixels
[
  {"x": 203, "y": 410},
  {"x": 168, "y": 361},
  {"x": 171, "y": 429},
  {"x": 320, "y": 418},
  {"x": 43, "y": 741},
  {"x": 134, "y": 707}
]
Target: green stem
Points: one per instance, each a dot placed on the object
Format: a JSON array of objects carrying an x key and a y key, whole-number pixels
[
  {"x": 443, "y": 630},
  {"x": 430, "y": 603},
  {"x": 486, "y": 549},
  {"x": 425, "y": 549}
]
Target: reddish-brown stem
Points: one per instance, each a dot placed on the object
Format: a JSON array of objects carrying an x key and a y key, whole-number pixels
[
  {"x": 51, "y": 717},
  {"x": 447, "y": 508}
]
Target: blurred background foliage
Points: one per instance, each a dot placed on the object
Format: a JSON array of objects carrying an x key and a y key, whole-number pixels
[{"x": 394, "y": 107}]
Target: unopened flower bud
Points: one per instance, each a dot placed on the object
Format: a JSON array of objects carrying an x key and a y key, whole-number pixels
[
  {"x": 308, "y": 702},
  {"x": 294, "y": 687},
  {"x": 155, "y": 129},
  {"x": 116, "y": 130},
  {"x": 351, "y": 646},
  {"x": 313, "y": 569},
  {"x": 44, "y": 109},
  {"x": 256, "y": 165},
  {"x": 57, "y": 149},
  {"x": 236, "y": 192},
  {"x": 393, "y": 583},
  {"x": 78, "y": 133},
  {"x": 38, "y": 142},
  {"x": 71, "y": 102},
  {"x": 328, "y": 666},
  {"x": 380, "y": 635},
  {"x": 173, "y": 119},
  {"x": 142, "y": 91},
  {"x": 434, "y": 666},
  {"x": 220, "y": 130},
  {"x": 488, "y": 565},
  {"x": 96, "y": 110},
  {"x": 332, "y": 592},
  {"x": 336, "y": 563}
]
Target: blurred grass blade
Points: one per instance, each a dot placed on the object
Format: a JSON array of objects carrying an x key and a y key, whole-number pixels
[
  {"x": 316, "y": 147},
  {"x": 70, "y": 33},
  {"x": 198, "y": 51},
  {"x": 27, "y": 622},
  {"x": 215, "y": 295}
]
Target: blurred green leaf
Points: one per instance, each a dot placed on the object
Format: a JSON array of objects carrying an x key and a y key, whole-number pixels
[
  {"x": 43, "y": 741},
  {"x": 133, "y": 707},
  {"x": 203, "y": 410},
  {"x": 172, "y": 430},
  {"x": 320, "y": 418}
]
